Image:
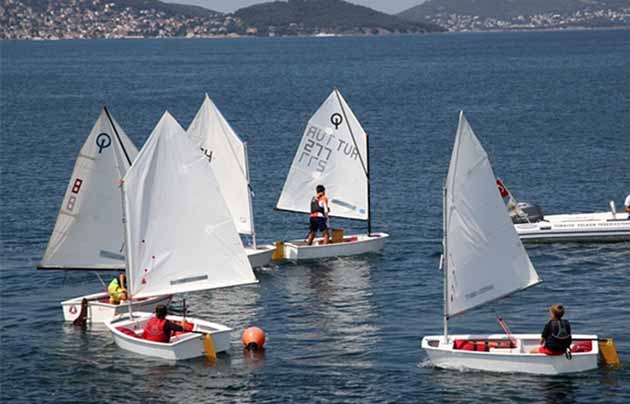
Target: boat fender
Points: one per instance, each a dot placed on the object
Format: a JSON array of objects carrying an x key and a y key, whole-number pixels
[
  {"x": 254, "y": 339},
  {"x": 467, "y": 345},
  {"x": 128, "y": 332},
  {"x": 483, "y": 345},
  {"x": 582, "y": 346},
  {"x": 568, "y": 354},
  {"x": 185, "y": 325}
]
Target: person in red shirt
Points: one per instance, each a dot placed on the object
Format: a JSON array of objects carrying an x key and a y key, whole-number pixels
[
  {"x": 318, "y": 220},
  {"x": 158, "y": 328}
]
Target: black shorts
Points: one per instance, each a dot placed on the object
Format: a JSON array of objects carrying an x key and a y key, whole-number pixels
[{"x": 318, "y": 223}]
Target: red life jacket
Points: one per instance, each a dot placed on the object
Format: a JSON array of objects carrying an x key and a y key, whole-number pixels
[{"x": 154, "y": 330}]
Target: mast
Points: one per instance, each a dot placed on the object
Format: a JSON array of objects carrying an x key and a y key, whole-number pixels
[
  {"x": 249, "y": 195},
  {"x": 124, "y": 212},
  {"x": 445, "y": 263},
  {"x": 369, "y": 194},
  {"x": 127, "y": 246},
  {"x": 367, "y": 147},
  {"x": 111, "y": 121}
]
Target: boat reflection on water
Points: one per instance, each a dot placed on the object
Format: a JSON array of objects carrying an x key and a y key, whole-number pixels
[
  {"x": 254, "y": 358},
  {"x": 558, "y": 390},
  {"x": 331, "y": 315},
  {"x": 475, "y": 386}
]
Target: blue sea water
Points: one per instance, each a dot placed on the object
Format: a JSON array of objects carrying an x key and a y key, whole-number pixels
[{"x": 551, "y": 108}]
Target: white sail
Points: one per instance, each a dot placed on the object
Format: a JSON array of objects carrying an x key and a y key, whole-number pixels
[
  {"x": 88, "y": 233},
  {"x": 333, "y": 153},
  {"x": 228, "y": 157},
  {"x": 485, "y": 257},
  {"x": 179, "y": 232}
]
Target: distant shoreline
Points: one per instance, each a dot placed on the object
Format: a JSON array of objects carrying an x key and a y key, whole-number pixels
[{"x": 236, "y": 36}]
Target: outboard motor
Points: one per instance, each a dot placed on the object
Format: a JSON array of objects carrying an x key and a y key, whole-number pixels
[{"x": 529, "y": 213}]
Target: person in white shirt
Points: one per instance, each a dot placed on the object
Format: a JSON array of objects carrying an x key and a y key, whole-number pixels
[{"x": 626, "y": 204}]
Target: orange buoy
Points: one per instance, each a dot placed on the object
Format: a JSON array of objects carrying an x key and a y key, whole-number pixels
[{"x": 254, "y": 339}]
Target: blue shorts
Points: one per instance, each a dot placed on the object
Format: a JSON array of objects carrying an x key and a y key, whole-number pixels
[{"x": 318, "y": 223}]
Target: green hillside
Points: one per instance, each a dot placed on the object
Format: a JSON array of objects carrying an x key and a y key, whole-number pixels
[{"x": 336, "y": 16}]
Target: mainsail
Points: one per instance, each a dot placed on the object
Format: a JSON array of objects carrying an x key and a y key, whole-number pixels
[
  {"x": 485, "y": 257},
  {"x": 179, "y": 232},
  {"x": 88, "y": 233},
  {"x": 228, "y": 156},
  {"x": 333, "y": 152}
]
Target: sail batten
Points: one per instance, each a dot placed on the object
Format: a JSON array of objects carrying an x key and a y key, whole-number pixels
[
  {"x": 485, "y": 260},
  {"x": 180, "y": 234},
  {"x": 89, "y": 220},
  {"x": 333, "y": 153},
  {"x": 495, "y": 299},
  {"x": 228, "y": 156}
]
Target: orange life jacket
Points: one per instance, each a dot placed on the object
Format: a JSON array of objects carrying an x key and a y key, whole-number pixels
[
  {"x": 316, "y": 209},
  {"x": 154, "y": 330}
]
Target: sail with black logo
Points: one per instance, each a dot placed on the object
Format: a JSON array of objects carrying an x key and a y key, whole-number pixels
[
  {"x": 88, "y": 233},
  {"x": 333, "y": 152}
]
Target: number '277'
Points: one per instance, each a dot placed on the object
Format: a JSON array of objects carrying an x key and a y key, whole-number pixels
[{"x": 315, "y": 153}]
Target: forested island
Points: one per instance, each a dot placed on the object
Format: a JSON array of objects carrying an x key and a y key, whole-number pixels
[
  {"x": 77, "y": 19},
  {"x": 82, "y": 19}
]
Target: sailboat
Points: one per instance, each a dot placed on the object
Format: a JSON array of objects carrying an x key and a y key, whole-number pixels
[
  {"x": 484, "y": 260},
  {"x": 334, "y": 152},
  {"x": 535, "y": 227},
  {"x": 228, "y": 155},
  {"x": 88, "y": 233},
  {"x": 179, "y": 237}
]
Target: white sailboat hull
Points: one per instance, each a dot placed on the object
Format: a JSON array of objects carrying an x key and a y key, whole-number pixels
[
  {"x": 100, "y": 310},
  {"x": 261, "y": 255},
  {"x": 587, "y": 227},
  {"x": 354, "y": 244},
  {"x": 184, "y": 346},
  {"x": 509, "y": 360}
]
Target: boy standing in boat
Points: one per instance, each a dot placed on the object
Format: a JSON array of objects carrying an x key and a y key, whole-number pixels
[
  {"x": 318, "y": 220},
  {"x": 556, "y": 336},
  {"x": 626, "y": 205}
]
